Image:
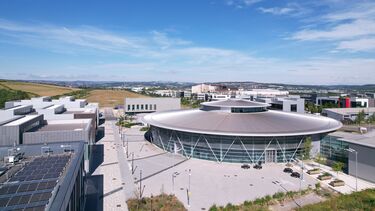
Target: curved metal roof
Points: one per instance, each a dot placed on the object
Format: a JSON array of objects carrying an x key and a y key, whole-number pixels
[
  {"x": 268, "y": 123},
  {"x": 235, "y": 104}
]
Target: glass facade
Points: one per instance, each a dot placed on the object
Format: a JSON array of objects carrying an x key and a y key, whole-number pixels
[
  {"x": 333, "y": 149},
  {"x": 228, "y": 148}
]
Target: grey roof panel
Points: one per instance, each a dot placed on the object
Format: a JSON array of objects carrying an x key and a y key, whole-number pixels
[{"x": 268, "y": 123}]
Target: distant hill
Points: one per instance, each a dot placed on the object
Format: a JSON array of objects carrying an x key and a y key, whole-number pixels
[
  {"x": 105, "y": 97},
  {"x": 36, "y": 89}
]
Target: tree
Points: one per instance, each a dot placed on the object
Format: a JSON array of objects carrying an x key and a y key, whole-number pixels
[
  {"x": 360, "y": 117},
  {"x": 307, "y": 148},
  {"x": 337, "y": 166}
]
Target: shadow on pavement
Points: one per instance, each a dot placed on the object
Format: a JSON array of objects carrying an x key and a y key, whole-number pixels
[{"x": 94, "y": 191}]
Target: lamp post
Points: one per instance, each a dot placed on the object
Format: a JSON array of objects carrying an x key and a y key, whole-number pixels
[{"x": 356, "y": 163}]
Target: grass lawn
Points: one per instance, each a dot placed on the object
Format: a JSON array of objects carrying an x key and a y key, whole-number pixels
[
  {"x": 363, "y": 200},
  {"x": 37, "y": 89},
  {"x": 110, "y": 98},
  {"x": 161, "y": 202}
]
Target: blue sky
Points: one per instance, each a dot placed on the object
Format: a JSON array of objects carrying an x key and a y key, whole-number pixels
[{"x": 299, "y": 42}]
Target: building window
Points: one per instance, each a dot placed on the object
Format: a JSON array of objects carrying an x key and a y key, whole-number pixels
[
  {"x": 137, "y": 107},
  {"x": 132, "y": 107},
  {"x": 146, "y": 107},
  {"x": 128, "y": 107},
  {"x": 155, "y": 107},
  {"x": 293, "y": 108},
  {"x": 142, "y": 107},
  {"x": 150, "y": 106}
]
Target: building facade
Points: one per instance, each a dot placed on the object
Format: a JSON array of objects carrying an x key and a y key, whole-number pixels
[{"x": 152, "y": 104}]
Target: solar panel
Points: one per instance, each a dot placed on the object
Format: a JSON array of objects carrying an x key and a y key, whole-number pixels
[
  {"x": 12, "y": 189},
  {"x": 14, "y": 200},
  {"x": 4, "y": 202},
  {"x": 38, "y": 208}
]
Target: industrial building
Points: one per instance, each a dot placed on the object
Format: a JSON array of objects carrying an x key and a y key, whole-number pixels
[
  {"x": 350, "y": 114},
  {"x": 344, "y": 147},
  {"x": 43, "y": 120},
  {"x": 42, "y": 177},
  {"x": 151, "y": 104},
  {"x": 343, "y": 101},
  {"x": 237, "y": 131}
]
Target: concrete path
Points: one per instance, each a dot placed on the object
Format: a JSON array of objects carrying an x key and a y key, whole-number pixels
[{"x": 110, "y": 185}]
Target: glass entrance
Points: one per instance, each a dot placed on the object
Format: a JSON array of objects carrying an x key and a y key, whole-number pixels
[{"x": 270, "y": 156}]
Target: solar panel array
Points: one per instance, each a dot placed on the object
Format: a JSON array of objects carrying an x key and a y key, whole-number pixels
[{"x": 31, "y": 187}]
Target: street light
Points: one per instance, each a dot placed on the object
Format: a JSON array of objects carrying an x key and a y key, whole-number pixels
[{"x": 356, "y": 162}]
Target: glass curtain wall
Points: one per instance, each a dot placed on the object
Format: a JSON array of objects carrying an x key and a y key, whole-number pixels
[{"x": 228, "y": 148}]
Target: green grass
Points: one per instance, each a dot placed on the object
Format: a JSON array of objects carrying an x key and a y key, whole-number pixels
[
  {"x": 9, "y": 95},
  {"x": 161, "y": 202},
  {"x": 78, "y": 94},
  {"x": 363, "y": 200}
]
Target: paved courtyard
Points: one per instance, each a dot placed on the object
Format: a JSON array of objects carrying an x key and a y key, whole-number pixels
[{"x": 210, "y": 182}]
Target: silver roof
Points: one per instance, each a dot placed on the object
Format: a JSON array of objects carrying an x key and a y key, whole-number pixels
[
  {"x": 268, "y": 123},
  {"x": 235, "y": 103}
]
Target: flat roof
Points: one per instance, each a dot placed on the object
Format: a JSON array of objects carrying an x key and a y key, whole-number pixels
[
  {"x": 261, "y": 124},
  {"x": 59, "y": 127},
  {"x": 19, "y": 107},
  {"x": 22, "y": 120},
  {"x": 350, "y": 110},
  {"x": 367, "y": 139}
]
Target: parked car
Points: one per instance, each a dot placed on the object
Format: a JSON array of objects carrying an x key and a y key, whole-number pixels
[
  {"x": 257, "y": 166},
  {"x": 288, "y": 170},
  {"x": 295, "y": 174},
  {"x": 245, "y": 166}
]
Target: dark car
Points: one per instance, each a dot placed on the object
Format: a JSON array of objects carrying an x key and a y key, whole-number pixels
[
  {"x": 288, "y": 170},
  {"x": 257, "y": 166},
  {"x": 245, "y": 166},
  {"x": 295, "y": 174}
]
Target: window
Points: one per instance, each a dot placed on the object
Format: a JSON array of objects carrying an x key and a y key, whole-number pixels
[
  {"x": 128, "y": 107},
  {"x": 132, "y": 107},
  {"x": 248, "y": 110},
  {"x": 155, "y": 107},
  {"x": 137, "y": 107},
  {"x": 142, "y": 107},
  {"x": 150, "y": 106},
  {"x": 146, "y": 107},
  {"x": 293, "y": 108}
]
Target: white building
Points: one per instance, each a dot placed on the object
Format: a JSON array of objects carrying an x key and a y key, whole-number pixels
[
  {"x": 203, "y": 88},
  {"x": 261, "y": 93},
  {"x": 151, "y": 104},
  {"x": 288, "y": 104}
]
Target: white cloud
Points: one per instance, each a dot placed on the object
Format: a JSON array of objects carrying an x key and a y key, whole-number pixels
[
  {"x": 242, "y": 3},
  {"x": 342, "y": 31},
  {"x": 350, "y": 29},
  {"x": 276, "y": 10},
  {"x": 358, "y": 45}
]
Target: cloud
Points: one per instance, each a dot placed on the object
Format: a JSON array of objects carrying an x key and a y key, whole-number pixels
[
  {"x": 276, "y": 10},
  {"x": 242, "y": 3},
  {"x": 350, "y": 29},
  {"x": 358, "y": 45}
]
